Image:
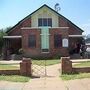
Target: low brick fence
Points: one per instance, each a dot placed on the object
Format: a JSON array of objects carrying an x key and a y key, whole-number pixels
[
  {"x": 25, "y": 69},
  {"x": 66, "y": 67},
  {"x": 10, "y": 72},
  {"x": 82, "y": 70}
]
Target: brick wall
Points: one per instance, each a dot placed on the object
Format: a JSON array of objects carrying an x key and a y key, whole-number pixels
[
  {"x": 10, "y": 72},
  {"x": 25, "y": 69},
  {"x": 62, "y": 22},
  {"x": 27, "y": 50},
  {"x": 66, "y": 67},
  {"x": 73, "y": 30},
  {"x": 36, "y": 52},
  {"x": 81, "y": 70},
  {"x": 61, "y": 50},
  {"x": 17, "y": 29}
]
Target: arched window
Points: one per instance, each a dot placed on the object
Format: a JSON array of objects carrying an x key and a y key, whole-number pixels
[{"x": 65, "y": 42}]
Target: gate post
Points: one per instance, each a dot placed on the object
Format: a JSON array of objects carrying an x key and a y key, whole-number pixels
[
  {"x": 25, "y": 67},
  {"x": 66, "y": 65}
]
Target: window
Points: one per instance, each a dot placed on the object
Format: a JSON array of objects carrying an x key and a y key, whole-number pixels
[
  {"x": 32, "y": 41},
  {"x": 49, "y": 22},
  {"x": 45, "y": 22},
  {"x": 57, "y": 40},
  {"x": 39, "y": 22},
  {"x": 65, "y": 42}
]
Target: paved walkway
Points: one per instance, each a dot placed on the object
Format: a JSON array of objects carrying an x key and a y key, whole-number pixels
[
  {"x": 47, "y": 84},
  {"x": 51, "y": 82}
]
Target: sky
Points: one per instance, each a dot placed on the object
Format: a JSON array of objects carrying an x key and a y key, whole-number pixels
[{"x": 77, "y": 11}]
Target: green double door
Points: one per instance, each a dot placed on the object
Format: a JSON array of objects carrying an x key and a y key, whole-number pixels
[{"x": 44, "y": 38}]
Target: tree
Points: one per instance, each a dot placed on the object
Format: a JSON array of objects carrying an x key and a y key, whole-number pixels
[
  {"x": 7, "y": 29},
  {"x": 3, "y": 33}
]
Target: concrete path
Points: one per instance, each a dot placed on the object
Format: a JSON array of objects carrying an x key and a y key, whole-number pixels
[
  {"x": 47, "y": 84},
  {"x": 79, "y": 84}
]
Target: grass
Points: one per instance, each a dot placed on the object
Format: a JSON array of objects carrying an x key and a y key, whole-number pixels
[
  {"x": 14, "y": 78},
  {"x": 79, "y": 75},
  {"x": 8, "y": 67},
  {"x": 82, "y": 64},
  {"x": 75, "y": 76},
  {"x": 46, "y": 62}
]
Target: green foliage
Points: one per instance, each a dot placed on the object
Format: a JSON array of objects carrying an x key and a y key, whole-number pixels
[
  {"x": 2, "y": 33},
  {"x": 20, "y": 51},
  {"x": 7, "y": 28}
]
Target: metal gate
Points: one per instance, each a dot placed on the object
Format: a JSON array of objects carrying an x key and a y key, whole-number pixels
[{"x": 39, "y": 68}]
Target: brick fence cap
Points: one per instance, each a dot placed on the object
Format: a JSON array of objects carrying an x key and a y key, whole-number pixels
[
  {"x": 24, "y": 58},
  {"x": 65, "y": 57}
]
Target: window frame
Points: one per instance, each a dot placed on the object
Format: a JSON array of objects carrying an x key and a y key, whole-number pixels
[
  {"x": 32, "y": 43},
  {"x": 57, "y": 40},
  {"x": 44, "y": 22}
]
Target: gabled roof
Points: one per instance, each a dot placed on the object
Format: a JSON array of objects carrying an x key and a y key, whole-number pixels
[{"x": 39, "y": 9}]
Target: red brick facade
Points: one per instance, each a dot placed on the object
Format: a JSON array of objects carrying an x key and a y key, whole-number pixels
[
  {"x": 36, "y": 52},
  {"x": 65, "y": 29},
  {"x": 30, "y": 51}
]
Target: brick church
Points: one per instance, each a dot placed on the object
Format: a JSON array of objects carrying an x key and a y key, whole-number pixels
[{"x": 43, "y": 33}]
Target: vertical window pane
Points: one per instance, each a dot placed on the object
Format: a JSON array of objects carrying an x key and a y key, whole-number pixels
[
  {"x": 50, "y": 22},
  {"x": 45, "y": 22},
  {"x": 32, "y": 41},
  {"x": 40, "y": 22},
  {"x": 57, "y": 40}
]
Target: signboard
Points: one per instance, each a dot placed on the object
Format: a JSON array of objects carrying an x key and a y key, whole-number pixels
[{"x": 65, "y": 42}]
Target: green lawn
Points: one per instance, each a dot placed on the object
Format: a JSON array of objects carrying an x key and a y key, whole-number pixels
[
  {"x": 14, "y": 78},
  {"x": 79, "y": 75},
  {"x": 8, "y": 66},
  {"x": 37, "y": 62},
  {"x": 75, "y": 76},
  {"x": 82, "y": 64},
  {"x": 46, "y": 62}
]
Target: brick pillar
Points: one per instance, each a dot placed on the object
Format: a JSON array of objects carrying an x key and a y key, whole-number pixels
[
  {"x": 23, "y": 70},
  {"x": 25, "y": 67},
  {"x": 66, "y": 65}
]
